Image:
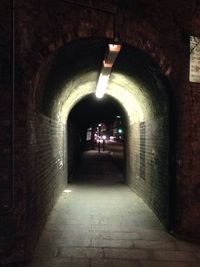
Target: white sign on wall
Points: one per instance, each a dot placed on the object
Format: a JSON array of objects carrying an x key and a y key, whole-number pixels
[{"x": 194, "y": 59}]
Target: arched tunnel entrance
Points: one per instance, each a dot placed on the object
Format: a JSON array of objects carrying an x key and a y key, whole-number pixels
[
  {"x": 139, "y": 87},
  {"x": 96, "y": 126},
  {"x": 138, "y": 95},
  {"x": 57, "y": 54}
]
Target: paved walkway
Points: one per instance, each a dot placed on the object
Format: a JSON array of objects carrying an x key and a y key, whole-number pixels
[{"x": 100, "y": 222}]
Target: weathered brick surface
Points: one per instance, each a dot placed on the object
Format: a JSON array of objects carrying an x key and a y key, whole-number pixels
[
  {"x": 42, "y": 27},
  {"x": 5, "y": 164},
  {"x": 45, "y": 170},
  {"x": 5, "y": 108},
  {"x": 153, "y": 186}
]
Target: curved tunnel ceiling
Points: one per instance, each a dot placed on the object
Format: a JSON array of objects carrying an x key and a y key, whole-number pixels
[{"x": 136, "y": 81}]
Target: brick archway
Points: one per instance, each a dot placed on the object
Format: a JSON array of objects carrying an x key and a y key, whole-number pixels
[{"x": 41, "y": 29}]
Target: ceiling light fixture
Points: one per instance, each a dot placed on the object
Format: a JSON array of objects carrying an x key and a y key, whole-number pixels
[{"x": 108, "y": 62}]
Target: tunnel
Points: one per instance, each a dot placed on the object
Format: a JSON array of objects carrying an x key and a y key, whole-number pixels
[
  {"x": 138, "y": 87},
  {"x": 56, "y": 136},
  {"x": 51, "y": 59},
  {"x": 139, "y": 94}
]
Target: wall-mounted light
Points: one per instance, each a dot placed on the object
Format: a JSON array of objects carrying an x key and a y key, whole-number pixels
[{"x": 108, "y": 62}]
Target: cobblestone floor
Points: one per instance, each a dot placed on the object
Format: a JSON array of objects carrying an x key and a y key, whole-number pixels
[{"x": 100, "y": 222}]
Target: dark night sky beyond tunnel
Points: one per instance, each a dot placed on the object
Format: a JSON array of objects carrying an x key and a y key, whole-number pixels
[{"x": 91, "y": 110}]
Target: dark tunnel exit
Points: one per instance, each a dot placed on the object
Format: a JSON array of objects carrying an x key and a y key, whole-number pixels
[{"x": 98, "y": 126}]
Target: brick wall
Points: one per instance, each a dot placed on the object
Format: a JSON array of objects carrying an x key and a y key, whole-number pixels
[
  {"x": 6, "y": 108},
  {"x": 13, "y": 227},
  {"x": 45, "y": 176},
  {"x": 148, "y": 171},
  {"x": 188, "y": 169},
  {"x": 42, "y": 27},
  {"x": 6, "y": 164},
  {"x": 38, "y": 180}
]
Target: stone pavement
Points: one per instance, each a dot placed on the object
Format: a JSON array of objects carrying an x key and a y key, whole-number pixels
[{"x": 99, "y": 222}]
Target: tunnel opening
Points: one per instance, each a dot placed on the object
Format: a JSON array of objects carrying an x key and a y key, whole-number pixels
[
  {"x": 96, "y": 126},
  {"x": 139, "y": 86},
  {"x": 54, "y": 68}
]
